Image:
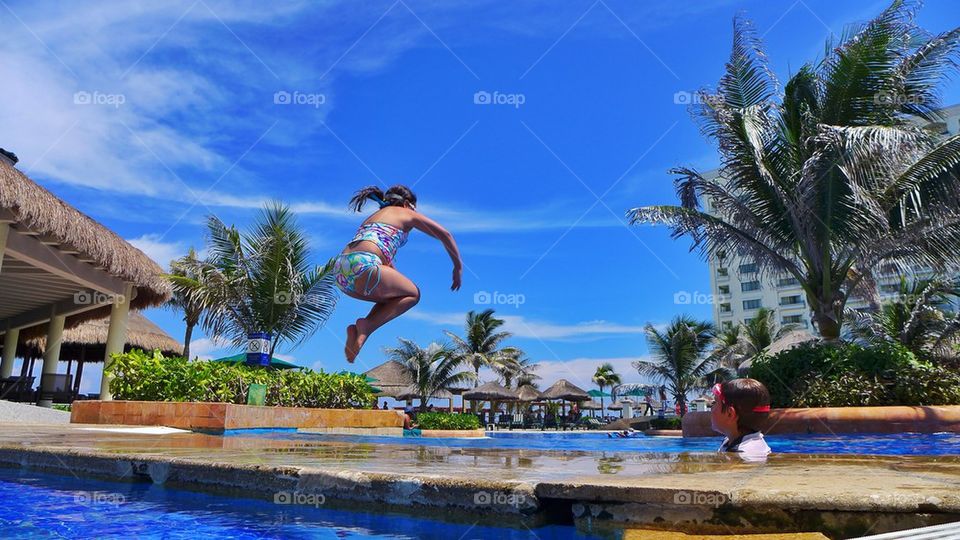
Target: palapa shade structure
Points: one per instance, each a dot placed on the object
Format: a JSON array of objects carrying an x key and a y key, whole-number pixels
[
  {"x": 491, "y": 391},
  {"x": 60, "y": 268},
  {"x": 88, "y": 340},
  {"x": 410, "y": 393},
  {"x": 528, "y": 393},
  {"x": 34, "y": 211},
  {"x": 565, "y": 390},
  {"x": 618, "y": 405},
  {"x": 390, "y": 377},
  {"x": 87, "y": 343}
]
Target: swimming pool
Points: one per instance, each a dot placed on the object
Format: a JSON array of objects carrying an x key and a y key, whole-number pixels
[
  {"x": 37, "y": 505},
  {"x": 906, "y": 444}
]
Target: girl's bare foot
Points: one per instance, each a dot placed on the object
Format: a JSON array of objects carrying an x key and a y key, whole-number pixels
[
  {"x": 350, "y": 349},
  {"x": 361, "y": 332}
]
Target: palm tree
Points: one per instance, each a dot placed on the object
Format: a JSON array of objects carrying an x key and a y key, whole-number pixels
[
  {"x": 740, "y": 344},
  {"x": 189, "y": 304},
  {"x": 915, "y": 318},
  {"x": 680, "y": 358},
  {"x": 432, "y": 369},
  {"x": 829, "y": 180},
  {"x": 605, "y": 376},
  {"x": 260, "y": 281},
  {"x": 481, "y": 344},
  {"x": 515, "y": 365}
]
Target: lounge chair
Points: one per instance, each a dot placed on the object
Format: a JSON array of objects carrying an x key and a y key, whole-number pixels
[{"x": 504, "y": 421}]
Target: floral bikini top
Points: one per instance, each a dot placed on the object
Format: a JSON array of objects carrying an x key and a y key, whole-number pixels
[{"x": 387, "y": 237}]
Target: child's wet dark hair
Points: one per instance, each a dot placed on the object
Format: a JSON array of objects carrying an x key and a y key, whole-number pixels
[
  {"x": 750, "y": 398},
  {"x": 397, "y": 195}
]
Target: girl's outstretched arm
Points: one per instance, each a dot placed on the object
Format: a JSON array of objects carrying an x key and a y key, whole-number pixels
[{"x": 434, "y": 229}]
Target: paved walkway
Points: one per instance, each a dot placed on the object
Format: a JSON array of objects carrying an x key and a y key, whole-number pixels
[{"x": 27, "y": 413}]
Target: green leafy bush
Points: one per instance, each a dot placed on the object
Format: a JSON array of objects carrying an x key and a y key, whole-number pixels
[
  {"x": 850, "y": 375},
  {"x": 665, "y": 423},
  {"x": 143, "y": 376},
  {"x": 442, "y": 420}
]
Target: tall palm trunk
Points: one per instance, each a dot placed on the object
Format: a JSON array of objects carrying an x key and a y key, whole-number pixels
[{"x": 187, "y": 338}]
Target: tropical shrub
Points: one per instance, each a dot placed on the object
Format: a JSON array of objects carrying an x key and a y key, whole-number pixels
[
  {"x": 849, "y": 375},
  {"x": 144, "y": 376},
  {"x": 442, "y": 420}
]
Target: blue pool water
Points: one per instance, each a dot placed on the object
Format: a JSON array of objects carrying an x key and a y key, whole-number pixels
[
  {"x": 36, "y": 505},
  {"x": 904, "y": 444}
]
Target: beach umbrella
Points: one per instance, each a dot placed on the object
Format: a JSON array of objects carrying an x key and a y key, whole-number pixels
[
  {"x": 639, "y": 391},
  {"x": 241, "y": 358},
  {"x": 597, "y": 393}
]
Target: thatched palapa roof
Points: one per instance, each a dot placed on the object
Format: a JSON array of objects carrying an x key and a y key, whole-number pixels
[
  {"x": 390, "y": 377},
  {"x": 37, "y": 210},
  {"x": 411, "y": 392},
  {"x": 490, "y": 391},
  {"x": 528, "y": 393},
  {"x": 141, "y": 334},
  {"x": 564, "y": 389}
]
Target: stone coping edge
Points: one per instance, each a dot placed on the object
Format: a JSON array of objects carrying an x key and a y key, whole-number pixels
[{"x": 430, "y": 491}]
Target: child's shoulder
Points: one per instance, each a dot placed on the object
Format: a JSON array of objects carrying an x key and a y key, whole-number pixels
[{"x": 753, "y": 443}]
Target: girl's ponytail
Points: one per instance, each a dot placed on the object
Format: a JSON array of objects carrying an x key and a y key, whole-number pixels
[{"x": 370, "y": 192}]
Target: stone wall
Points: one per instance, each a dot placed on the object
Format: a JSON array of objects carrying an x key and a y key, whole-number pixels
[
  {"x": 222, "y": 416},
  {"x": 836, "y": 420}
]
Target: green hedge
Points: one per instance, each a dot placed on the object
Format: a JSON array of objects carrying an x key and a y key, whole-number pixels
[
  {"x": 850, "y": 375},
  {"x": 665, "y": 423},
  {"x": 141, "y": 376},
  {"x": 442, "y": 420}
]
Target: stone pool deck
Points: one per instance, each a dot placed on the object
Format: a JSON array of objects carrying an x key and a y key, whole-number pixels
[{"x": 839, "y": 495}]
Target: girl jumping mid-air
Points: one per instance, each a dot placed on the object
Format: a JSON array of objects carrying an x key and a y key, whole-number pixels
[{"x": 365, "y": 271}]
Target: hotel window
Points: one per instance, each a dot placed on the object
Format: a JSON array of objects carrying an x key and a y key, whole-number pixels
[
  {"x": 792, "y": 319},
  {"x": 787, "y": 282},
  {"x": 748, "y": 268},
  {"x": 752, "y": 304},
  {"x": 722, "y": 272},
  {"x": 791, "y": 300},
  {"x": 724, "y": 289},
  {"x": 727, "y": 325},
  {"x": 750, "y": 286},
  {"x": 724, "y": 308}
]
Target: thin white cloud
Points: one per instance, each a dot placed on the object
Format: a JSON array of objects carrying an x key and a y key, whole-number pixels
[
  {"x": 522, "y": 327},
  {"x": 580, "y": 371},
  {"x": 158, "y": 250}
]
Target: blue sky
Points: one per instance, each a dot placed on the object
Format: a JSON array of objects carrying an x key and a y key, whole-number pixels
[{"x": 151, "y": 117}]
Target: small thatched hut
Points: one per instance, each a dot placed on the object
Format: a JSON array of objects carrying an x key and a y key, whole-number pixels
[{"x": 87, "y": 343}]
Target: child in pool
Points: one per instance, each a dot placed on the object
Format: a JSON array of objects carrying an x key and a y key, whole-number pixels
[{"x": 740, "y": 410}]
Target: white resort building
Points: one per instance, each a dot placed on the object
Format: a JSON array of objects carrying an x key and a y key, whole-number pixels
[{"x": 739, "y": 290}]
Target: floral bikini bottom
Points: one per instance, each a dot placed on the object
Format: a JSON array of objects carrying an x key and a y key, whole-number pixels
[{"x": 348, "y": 267}]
